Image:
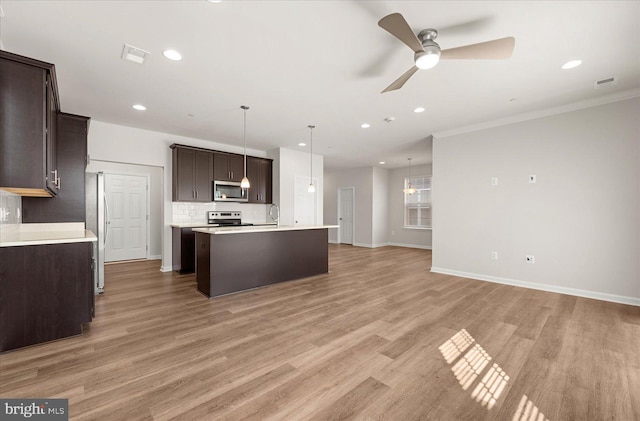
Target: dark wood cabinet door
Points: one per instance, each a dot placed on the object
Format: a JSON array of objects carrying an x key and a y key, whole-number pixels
[
  {"x": 44, "y": 301},
  {"x": 221, "y": 167},
  {"x": 236, "y": 167},
  {"x": 254, "y": 176},
  {"x": 51, "y": 172},
  {"x": 71, "y": 150},
  {"x": 259, "y": 174},
  {"x": 22, "y": 125},
  {"x": 183, "y": 174},
  {"x": 267, "y": 180},
  {"x": 203, "y": 176},
  {"x": 228, "y": 167}
]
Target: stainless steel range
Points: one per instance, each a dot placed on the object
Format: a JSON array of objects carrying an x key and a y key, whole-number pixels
[{"x": 225, "y": 218}]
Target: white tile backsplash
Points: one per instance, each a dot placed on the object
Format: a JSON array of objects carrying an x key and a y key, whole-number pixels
[
  {"x": 10, "y": 209},
  {"x": 188, "y": 212}
]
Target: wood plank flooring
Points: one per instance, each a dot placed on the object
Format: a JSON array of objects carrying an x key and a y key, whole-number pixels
[{"x": 378, "y": 338}]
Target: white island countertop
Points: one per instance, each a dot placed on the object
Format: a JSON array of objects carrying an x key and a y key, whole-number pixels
[
  {"x": 37, "y": 234},
  {"x": 258, "y": 228}
]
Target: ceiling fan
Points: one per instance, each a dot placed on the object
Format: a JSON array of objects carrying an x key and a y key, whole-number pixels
[{"x": 428, "y": 52}]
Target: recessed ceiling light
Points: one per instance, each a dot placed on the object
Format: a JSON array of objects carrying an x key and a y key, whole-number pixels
[
  {"x": 214, "y": 1},
  {"x": 139, "y": 107},
  {"x": 172, "y": 55},
  {"x": 365, "y": 125},
  {"x": 381, "y": 162},
  {"x": 418, "y": 110},
  {"x": 302, "y": 144},
  {"x": 571, "y": 64}
]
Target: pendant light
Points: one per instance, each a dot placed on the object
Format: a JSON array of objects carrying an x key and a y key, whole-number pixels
[
  {"x": 410, "y": 189},
  {"x": 245, "y": 181},
  {"x": 312, "y": 188}
]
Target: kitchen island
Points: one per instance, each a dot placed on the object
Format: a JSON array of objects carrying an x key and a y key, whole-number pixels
[{"x": 232, "y": 259}]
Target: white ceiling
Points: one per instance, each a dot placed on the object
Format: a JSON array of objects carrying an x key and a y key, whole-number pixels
[{"x": 297, "y": 63}]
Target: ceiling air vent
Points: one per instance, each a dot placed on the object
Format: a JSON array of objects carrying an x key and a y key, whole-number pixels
[
  {"x": 603, "y": 83},
  {"x": 134, "y": 54}
]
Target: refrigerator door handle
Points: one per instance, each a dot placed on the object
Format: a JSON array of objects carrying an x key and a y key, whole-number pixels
[{"x": 107, "y": 220}]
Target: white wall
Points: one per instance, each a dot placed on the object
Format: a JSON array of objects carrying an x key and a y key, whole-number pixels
[
  {"x": 362, "y": 181},
  {"x": 397, "y": 233},
  {"x": 581, "y": 220},
  {"x": 114, "y": 143},
  {"x": 10, "y": 210},
  {"x": 380, "y": 207},
  {"x": 287, "y": 165},
  {"x": 156, "y": 194}
]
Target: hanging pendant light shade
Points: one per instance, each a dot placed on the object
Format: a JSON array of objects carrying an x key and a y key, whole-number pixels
[
  {"x": 410, "y": 189},
  {"x": 245, "y": 181},
  {"x": 312, "y": 188}
]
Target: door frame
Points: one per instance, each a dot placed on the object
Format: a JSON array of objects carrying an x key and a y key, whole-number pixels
[
  {"x": 353, "y": 213},
  {"x": 148, "y": 210}
]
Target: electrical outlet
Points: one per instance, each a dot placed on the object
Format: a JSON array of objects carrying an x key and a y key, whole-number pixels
[
  {"x": 532, "y": 179},
  {"x": 494, "y": 255},
  {"x": 494, "y": 181},
  {"x": 530, "y": 259}
]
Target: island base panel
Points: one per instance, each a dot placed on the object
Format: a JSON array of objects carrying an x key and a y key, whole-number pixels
[{"x": 237, "y": 262}]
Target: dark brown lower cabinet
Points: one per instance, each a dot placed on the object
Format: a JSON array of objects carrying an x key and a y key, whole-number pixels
[
  {"x": 46, "y": 293},
  {"x": 183, "y": 249}
]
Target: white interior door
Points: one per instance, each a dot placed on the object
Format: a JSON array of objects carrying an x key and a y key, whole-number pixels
[
  {"x": 126, "y": 237},
  {"x": 304, "y": 203},
  {"x": 345, "y": 215}
]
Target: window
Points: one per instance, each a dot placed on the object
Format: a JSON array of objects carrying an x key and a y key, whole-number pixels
[{"x": 417, "y": 206}]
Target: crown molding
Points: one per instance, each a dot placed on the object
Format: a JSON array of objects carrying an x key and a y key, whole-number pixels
[{"x": 588, "y": 103}]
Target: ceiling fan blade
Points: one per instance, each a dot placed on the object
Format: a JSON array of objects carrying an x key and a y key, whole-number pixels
[
  {"x": 401, "y": 80},
  {"x": 491, "y": 50},
  {"x": 397, "y": 26}
]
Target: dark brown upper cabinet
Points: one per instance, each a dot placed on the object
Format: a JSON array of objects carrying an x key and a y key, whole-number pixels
[
  {"x": 28, "y": 114},
  {"x": 259, "y": 173},
  {"x": 192, "y": 175},
  {"x": 71, "y": 152},
  {"x": 228, "y": 167}
]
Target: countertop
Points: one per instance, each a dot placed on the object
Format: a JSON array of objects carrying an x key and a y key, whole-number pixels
[
  {"x": 37, "y": 234},
  {"x": 257, "y": 228}
]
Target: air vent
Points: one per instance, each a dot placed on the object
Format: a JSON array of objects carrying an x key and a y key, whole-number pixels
[
  {"x": 603, "y": 83},
  {"x": 134, "y": 54}
]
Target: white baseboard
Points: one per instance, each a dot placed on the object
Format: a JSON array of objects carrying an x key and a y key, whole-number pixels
[
  {"x": 413, "y": 246},
  {"x": 166, "y": 268},
  {"x": 370, "y": 246},
  {"x": 158, "y": 257},
  {"x": 333, "y": 242},
  {"x": 634, "y": 301}
]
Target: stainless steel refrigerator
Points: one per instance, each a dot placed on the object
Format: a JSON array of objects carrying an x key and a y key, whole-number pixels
[{"x": 97, "y": 220}]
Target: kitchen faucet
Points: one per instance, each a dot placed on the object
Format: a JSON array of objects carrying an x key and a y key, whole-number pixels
[{"x": 277, "y": 218}]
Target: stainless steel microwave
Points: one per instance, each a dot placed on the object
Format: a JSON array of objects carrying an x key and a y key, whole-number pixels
[{"x": 229, "y": 191}]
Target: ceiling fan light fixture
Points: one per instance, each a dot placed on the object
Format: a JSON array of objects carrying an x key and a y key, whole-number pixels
[{"x": 428, "y": 58}]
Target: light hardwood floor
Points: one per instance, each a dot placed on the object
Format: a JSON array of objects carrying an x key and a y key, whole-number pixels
[{"x": 378, "y": 338}]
